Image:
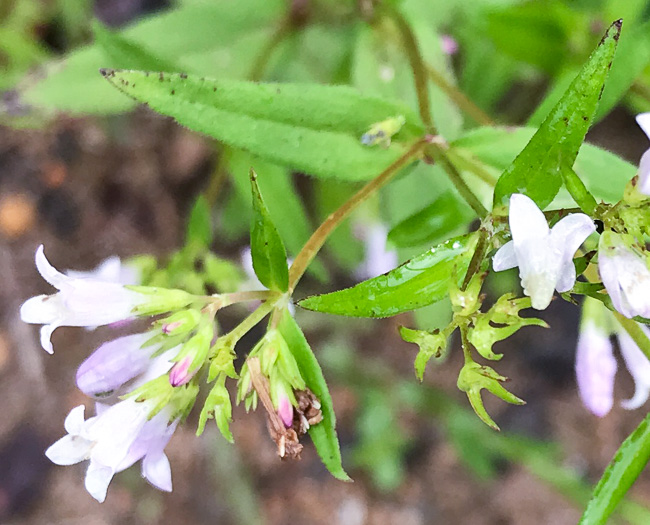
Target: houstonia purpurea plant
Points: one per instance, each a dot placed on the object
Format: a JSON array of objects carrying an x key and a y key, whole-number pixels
[{"x": 570, "y": 218}]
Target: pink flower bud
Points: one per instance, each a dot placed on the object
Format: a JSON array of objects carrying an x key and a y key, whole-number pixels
[
  {"x": 180, "y": 373},
  {"x": 449, "y": 44},
  {"x": 285, "y": 410},
  {"x": 170, "y": 327}
]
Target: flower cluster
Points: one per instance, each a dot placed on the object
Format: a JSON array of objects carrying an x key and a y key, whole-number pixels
[{"x": 145, "y": 383}]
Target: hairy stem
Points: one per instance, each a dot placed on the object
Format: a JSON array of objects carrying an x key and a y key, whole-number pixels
[
  {"x": 318, "y": 238},
  {"x": 240, "y": 297},
  {"x": 454, "y": 175},
  {"x": 459, "y": 98},
  {"x": 417, "y": 66},
  {"x": 245, "y": 326}
]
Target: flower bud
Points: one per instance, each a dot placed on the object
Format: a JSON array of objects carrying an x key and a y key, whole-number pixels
[{"x": 182, "y": 322}]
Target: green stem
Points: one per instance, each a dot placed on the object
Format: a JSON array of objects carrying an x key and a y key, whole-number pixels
[
  {"x": 417, "y": 66},
  {"x": 635, "y": 332},
  {"x": 471, "y": 164},
  {"x": 477, "y": 259},
  {"x": 239, "y": 297},
  {"x": 245, "y": 326},
  {"x": 318, "y": 238},
  {"x": 219, "y": 175},
  {"x": 459, "y": 98},
  {"x": 578, "y": 190},
  {"x": 262, "y": 61},
  {"x": 454, "y": 175}
]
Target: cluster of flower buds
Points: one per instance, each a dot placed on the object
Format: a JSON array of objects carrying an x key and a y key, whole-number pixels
[{"x": 144, "y": 384}]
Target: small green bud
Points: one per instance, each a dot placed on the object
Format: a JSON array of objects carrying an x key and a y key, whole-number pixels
[
  {"x": 180, "y": 323},
  {"x": 192, "y": 356},
  {"x": 217, "y": 406}
]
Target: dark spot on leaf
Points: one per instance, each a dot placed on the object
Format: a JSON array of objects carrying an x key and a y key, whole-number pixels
[
  {"x": 173, "y": 91},
  {"x": 161, "y": 77},
  {"x": 585, "y": 118},
  {"x": 214, "y": 89},
  {"x": 183, "y": 75}
]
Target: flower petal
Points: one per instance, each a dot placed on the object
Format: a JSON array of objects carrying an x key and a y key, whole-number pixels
[
  {"x": 639, "y": 367},
  {"x": 42, "y": 309},
  {"x": 595, "y": 369},
  {"x": 46, "y": 336},
  {"x": 47, "y": 271},
  {"x": 69, "y": 450},
  {"x": 156, "y": 470},
  {"x": 569, "y": 233},
  {"x": 567, "y": 277},
  {"x": 98, "y": 477},
  {"x": 644, "y": 174},
  {"x": 643, "y": 120},
  {"x": 505, "y": 257},
  {"x": 74, "y": 421},
  {"x": 526, "y": 220}
]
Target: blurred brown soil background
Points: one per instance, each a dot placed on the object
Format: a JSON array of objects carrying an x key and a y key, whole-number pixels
[{"x": 88, "y": 189}]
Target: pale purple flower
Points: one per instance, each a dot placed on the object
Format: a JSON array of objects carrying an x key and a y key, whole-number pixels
[
  {"x": 449, "y": 44},
  {"x": 544, "y": 256},
  {"x": 378, "y": 259},
  {"x": 643, "y": 120},
  {"x": 595, "y": 368},
  {"x": 625, "y": 276},
  {"x": 113, "y": 440},
  {"x": 79, "y": 302},
  {"x": 120, "y": 361},
  {"x": 639, "y": 367},
  {"x": 180, "y": 373}
]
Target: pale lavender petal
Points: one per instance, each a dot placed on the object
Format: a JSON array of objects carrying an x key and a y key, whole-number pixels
[
  {"x": 526, "y": 220},
  {"x": 98, "y": 477},
  {"x": 156, "y": 470},
  {"x": 42, "y": 309},
  {"x": 114, "y": 364},
  {"x": 378, "y": 258},
  {"x": 595, "y": 369},
  {"x": 607, "y": 268},
  {"x": 69, "y": 450},
  {"x": 47, "y": 271},
  {"x": 639, "y": 367},
  {"x": 110, "y": 270},
  {"x": 74, "y": 421},
  {"x": 505, "y": 257}
]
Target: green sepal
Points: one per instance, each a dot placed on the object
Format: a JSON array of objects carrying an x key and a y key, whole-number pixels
[
  {"x": 217, "y": 406},
  {"x": 160, "y": 300},
  {"x": 223, "y": 359},
  {"x": 267, "y": 249},
  {"x": 432, "y": 344},
  {"x": 180, "y": 323},
  {"x": 473, "y": 378},
  {"x": 504, "y": 312},
  {"x": 198, "y": 346}
]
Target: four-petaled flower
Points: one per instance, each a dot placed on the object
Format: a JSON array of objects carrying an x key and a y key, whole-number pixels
[
  {"x": 544, "y": 256},
  {"x": 114, "y": 440},
  {"x": 79, "y": 302}
]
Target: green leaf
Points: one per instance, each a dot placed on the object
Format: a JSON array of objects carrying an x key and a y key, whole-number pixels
[
  {"x": 121, "y": 50},
  {"x": 267, "y": 248},
  {"x": 604, "y": 173},
  {"x": 439, "y": 219},
  {"x": 199, "y": 227},
  {"x": 536, "y": 170},
  {"x": 299, "y": 126},
  {"x": 322, "y": 434},
  {"x": 285, "y": 205},
  {"x": 419, "y": 282},
  {"x": 630, "y": 459}
]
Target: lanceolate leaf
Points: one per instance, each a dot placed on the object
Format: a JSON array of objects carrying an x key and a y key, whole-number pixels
[
  {"x": 536, "y": 171},
  {"x": 419, "y": 282},
  {"x": 311, "y": 128},
  {"x": 322, "y": 434},
  {"x": 604, "y": 173},
  {"x": 267, "y": 248},
  {"x": 630, "y": 459}
]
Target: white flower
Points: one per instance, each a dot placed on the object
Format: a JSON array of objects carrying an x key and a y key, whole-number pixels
[
  {"x": 378, "y": 259},
  {"x": 113, "y": 440},
  {"x": 625, "y": 276},
  {"x": 110, "y": 270},
  {"x": 79, "y": 302},
  {"x": 643, "y": 120},
  {"x": 595, "y": 368},
  {"x": 544, "y": 256}
]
